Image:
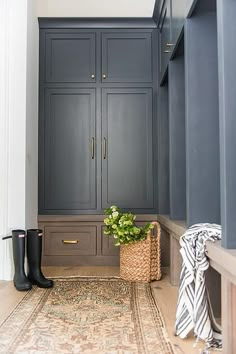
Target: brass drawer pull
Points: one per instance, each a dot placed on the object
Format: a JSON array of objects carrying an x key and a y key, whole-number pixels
[{"x": 70, "y": 242}]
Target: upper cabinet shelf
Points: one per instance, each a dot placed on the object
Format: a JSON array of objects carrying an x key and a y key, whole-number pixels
[
  {"x": 177, "y": 19},
  {"x": 74, "y": 57},
  {"x": 171, "y": 23},
  {"x": 165, "y": 35}
]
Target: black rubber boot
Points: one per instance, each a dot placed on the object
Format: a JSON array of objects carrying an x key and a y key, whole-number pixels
[
  {"x": 34, "y": 253},
  {"x": 18, "y": 244}
]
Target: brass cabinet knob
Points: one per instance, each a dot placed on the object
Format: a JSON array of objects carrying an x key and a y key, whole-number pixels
[
  {"x": 92, "y": 76},
  {"x": 104, "y": 76}
]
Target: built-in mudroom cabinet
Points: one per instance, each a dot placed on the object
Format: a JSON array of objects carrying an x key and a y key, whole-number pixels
[{"x": 97, "y": 132}]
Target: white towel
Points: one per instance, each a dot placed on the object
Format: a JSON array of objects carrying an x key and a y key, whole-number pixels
[{"x": 193, "y": 310}]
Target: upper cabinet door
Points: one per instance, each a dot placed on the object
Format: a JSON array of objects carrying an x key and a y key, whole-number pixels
[
  {"x": 69, "y": 175},
  {"x": 70, "y": 57},
  {"x": 126, "y": 57}
]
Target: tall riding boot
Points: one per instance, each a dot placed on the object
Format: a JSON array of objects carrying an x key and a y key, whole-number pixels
[
  {"x": 34, "y": 253},
  {"x": 18, "y": 244}
]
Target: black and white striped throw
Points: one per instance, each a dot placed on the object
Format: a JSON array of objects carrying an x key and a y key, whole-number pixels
[{"x": 194, "y": 310}]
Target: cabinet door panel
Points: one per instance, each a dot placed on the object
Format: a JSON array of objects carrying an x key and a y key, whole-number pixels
[
  {"x": 127, "y": 170},
  {"x": 126, "y": 57},
  {"x": 70, "y": 57},
  {"x": 69, "y": 175}
]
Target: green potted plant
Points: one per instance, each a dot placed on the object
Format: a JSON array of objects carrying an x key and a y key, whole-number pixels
[
  {"x": 122, "y": 226},
  {"x": 139, "y": 247}
]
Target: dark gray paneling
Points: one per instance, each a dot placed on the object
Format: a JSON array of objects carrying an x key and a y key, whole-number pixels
[
  {"x": 165, "y": 38},
  {"x": 177, "y": 138},
  {"x": 83, "y": 22},
  {"x": 195, "y": 5},
  {"x": 203, "y": 6},
  {"x": 155, "y": 59},
  {"x": 163, "y": 150},
  {"x": 70, "y": 57},
  {"x": 177, "y": 20},
  {"x": 127, "y": 169},
  {"x": 227, "y": 103},
  {"x": 156, "y": 11},
  {"x": 70, "y": 171},
  {"x": 126, "y": 57},
  {"x": 202, "y": 119}
]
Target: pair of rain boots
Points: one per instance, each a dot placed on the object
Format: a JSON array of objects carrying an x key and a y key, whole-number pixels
[{"x": 34, "y": 253}]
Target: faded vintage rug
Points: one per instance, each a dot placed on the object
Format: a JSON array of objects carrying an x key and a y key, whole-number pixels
[{"x": 86, "y": 315}]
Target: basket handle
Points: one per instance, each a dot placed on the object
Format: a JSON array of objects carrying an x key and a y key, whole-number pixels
[{"x": 157, "y": 226}]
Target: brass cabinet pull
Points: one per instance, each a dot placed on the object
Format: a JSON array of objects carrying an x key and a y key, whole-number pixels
[
  {"x": 104, "y": 76},
  {"x": 70, "y": 242},
  {"x": 104, "y": 148},
  {"x": 167, "y": 51},
  {"x": 92, "y": 148},
  {"x": 169, "y": 44}
]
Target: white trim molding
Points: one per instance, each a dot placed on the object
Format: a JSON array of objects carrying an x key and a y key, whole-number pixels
[{"x": 6, "y": 267}]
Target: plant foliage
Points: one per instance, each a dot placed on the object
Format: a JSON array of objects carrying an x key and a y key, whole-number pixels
[{"x": 122, "y": 226}]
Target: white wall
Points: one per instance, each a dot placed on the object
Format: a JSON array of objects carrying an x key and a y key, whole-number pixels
[
  {"x": 17, "y": 113},
  {"x": 95, "y": 8},
  {"x": 31, "y": 180},
  {"x": 18, "y": 116}
]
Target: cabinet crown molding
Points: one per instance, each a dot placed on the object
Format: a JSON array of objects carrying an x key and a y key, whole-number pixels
[{"x": 106, "y": 23}]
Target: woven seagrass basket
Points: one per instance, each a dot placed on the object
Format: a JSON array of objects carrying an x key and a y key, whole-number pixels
[{"x": 141, "y": 261}]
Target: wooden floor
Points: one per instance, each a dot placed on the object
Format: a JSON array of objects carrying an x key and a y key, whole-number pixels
[{"x": 166, "y": 296}]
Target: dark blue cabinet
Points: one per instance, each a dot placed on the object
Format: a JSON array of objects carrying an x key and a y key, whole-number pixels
[{"x": 96, "y": 120}]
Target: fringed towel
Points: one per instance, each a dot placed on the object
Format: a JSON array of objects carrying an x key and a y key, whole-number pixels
[{"x": 193, "y": 309}]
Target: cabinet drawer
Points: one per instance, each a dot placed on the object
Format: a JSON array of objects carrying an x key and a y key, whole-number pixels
[
  {"x": 108, "y": 245},
  {"x": 70, "y": 240}
]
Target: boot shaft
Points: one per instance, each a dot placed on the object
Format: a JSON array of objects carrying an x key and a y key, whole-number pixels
[
  {"x": 34, "y": 246},
  {"x": 18, "y": 245},
  {"x": 34, "y": 253}
]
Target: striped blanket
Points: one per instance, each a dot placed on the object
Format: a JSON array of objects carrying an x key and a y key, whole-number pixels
[{"x": 193, "y": 309}]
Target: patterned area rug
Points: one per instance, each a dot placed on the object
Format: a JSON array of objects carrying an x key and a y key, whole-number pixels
[{"x": 86, "y": 315}]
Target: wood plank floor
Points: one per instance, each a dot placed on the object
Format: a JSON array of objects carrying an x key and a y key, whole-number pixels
[{"x": 165, "y": 294}]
